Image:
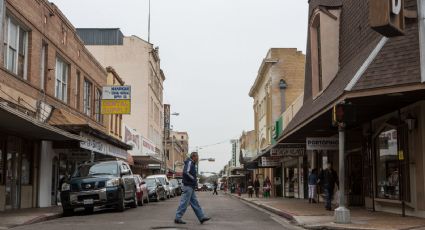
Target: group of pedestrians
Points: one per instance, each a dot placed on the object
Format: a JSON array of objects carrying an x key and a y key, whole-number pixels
[
  {"x": 327, "y": 179},
  {"x": 255, "y": 187}
]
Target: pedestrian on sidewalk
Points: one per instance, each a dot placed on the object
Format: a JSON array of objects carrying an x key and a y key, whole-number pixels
[
  {"x": 328, "y": 178},
  {"x": 250, "y": 188},
  {"x": 312, "y": 185},
  {"x": 256, "y": 186},
  {"x": 215, "y": 188},
  {"x": 190, "y": 182},
  {"x": 242, "y": 187},
  {"x": 239, "y": 189},
  {"x": 267, "y": 186}
]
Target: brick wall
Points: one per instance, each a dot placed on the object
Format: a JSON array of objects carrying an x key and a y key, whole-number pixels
[{"x": 46, "y": 24}]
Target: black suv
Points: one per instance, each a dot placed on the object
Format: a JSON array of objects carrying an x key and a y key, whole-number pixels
[{"x": 109, "y": 183}]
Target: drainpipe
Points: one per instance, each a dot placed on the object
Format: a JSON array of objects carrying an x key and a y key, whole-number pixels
[
  {"x": 421, "y": 21},
  {"x": 282, "y": 86}
]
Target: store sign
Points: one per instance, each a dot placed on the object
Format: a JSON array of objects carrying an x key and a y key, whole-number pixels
[
  {"x": 167, "y": 126},
  {"x": 322, "y": 143},
  {"x": 116, "y": 100},
  {"x": 133, "y": 138},
  {"x": 270, "y": 162},
  {"x": 99, "y": 146},
  {"x": 148, "y": 148},
  {"x": 387, "y": 17},
  {"x": 288, "y": 150}
]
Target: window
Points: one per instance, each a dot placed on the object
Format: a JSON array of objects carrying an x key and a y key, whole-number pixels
[
  {"x": 319, "y": 57},
  {"x": 61, "y": 79},
  {"x": 15, "y": 48},
  {"x": 98, "y": 101},
  {"x": 87, "y": 98},
  {"x": 388, "y": 165},
  {"x": 77, "y": 90},
  {"x": 43, "y": 63}
]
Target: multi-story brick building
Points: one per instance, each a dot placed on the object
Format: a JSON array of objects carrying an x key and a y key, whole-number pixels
[
  {"x": 353, "y": 56},
  {"x": 176, "y": 152},
  {"x": 48, "y": 81}
]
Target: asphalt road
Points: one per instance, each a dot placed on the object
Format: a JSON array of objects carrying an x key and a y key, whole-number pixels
[{"x": 226, "y": 213}]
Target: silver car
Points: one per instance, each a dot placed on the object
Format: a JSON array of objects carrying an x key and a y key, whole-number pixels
[{"x": 164, "y": 181}]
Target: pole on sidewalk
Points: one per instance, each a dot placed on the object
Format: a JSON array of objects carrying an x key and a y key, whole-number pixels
[{"x": 342, "y": 214}]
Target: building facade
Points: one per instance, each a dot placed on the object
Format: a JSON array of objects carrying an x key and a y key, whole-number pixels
[
  {"x": 279, "y": 83},
  {"x": 379, "y": 69},
  {"x": 177, "y": 147},
  {"x": 138, "y": 64},
  {"x": 53, "y": 85}
]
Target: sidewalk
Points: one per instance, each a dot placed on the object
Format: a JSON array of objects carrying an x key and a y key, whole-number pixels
[
  {"x": 314, "y": 216},
  {"x": 10, "y": 219}
]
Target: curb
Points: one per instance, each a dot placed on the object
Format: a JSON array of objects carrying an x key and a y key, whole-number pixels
[
  {"x": 287, "y": 215},
  {"x": 42, "y": 218},
  {"x": 290, "y": 217}
]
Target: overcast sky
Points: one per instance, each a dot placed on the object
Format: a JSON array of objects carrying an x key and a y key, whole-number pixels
[{"x": 210, "y": 52}]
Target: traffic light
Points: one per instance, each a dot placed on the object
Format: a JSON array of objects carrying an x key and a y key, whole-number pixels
[{"x": 343, "y": 113}]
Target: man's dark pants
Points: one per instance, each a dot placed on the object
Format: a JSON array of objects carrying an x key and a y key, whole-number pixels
[{"x": 329, "y": 193}]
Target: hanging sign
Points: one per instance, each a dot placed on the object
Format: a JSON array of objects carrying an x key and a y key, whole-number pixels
[
  {"x": 288, "y": 150},
  {"x": 270, "y": 161},
  {"x": 322, "y": 143},
  {"x": 116, "y": 100}
]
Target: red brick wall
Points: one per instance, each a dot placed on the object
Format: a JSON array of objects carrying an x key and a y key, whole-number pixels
[{"x": 46, "y": 24}]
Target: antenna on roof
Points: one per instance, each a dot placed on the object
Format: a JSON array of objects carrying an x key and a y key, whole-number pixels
[{"x": 149, "y": 22}]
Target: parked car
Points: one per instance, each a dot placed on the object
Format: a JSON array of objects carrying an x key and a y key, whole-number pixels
[
  {"x": 199, "y": 188},
  {"x": 109, "y": 183},
  {"x": 210, "y": 187},
  {"x": 142, "y": 191},
  {"x": 156, "y": 191},
  {"x": 177, "y": 187},
  {"x": 164, "y": 181}
]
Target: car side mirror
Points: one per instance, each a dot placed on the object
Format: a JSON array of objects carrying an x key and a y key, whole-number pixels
[
  {"x": 143, "y": 182},
  {"x": 167, "y": 183}
]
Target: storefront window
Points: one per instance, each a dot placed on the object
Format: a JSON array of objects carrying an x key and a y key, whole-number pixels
[{"x": 388, "y": 165}]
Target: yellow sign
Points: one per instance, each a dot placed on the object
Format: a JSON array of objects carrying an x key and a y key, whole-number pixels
[{"x": 116, "y": 107}]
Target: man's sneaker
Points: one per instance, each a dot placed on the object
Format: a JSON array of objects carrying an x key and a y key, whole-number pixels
[
  {"x": 179, "y": 221},
  {"x": 205, "y": 219}
]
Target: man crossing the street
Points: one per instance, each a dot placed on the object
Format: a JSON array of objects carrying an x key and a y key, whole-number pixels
[{"x": 189, "y": 197}]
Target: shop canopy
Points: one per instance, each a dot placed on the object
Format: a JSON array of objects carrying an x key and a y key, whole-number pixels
[{"x": 19, "y": 123}]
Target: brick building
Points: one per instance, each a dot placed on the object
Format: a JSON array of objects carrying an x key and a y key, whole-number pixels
[
  {"x": 349, "y": 59},
  {"x": 50, "y": 91}
]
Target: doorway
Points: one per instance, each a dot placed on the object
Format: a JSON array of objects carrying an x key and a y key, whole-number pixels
[
  {"x": 355, "y": 179},
  {"x": 13, "y": 193}
]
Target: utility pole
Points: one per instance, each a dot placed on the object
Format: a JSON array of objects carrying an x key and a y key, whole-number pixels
[
  {"x": 342, "y": 214},
  {"x": 149, "y": 22}
]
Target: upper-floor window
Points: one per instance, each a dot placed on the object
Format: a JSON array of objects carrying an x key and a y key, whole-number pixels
[
  {"x": 98, "y": 101},
  {"x": 324, "y": 47},
  {"x": 61, "y": 76},
  {"x": 87, "y": 98},
  {"x": 15, "y": 47}
]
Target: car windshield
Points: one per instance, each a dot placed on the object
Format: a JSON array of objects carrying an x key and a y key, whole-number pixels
[
  {"x": 162, "y": 179},
  {"x": 150, "y": 182},
  {"x": 97, "y": 169},
  {"x": 174, "y": 182}
]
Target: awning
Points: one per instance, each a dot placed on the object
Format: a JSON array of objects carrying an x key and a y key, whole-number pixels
[
  {"x": 146, "y": 160},
  {"x": 14, "y": 121}
]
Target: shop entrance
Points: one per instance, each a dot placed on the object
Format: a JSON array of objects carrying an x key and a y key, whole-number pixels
[
  {"x": 13, "y": 193},
  {"x": 278, "y": 182}
]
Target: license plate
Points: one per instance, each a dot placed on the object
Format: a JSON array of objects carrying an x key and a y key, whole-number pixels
[{"x": 88, "y": 202}]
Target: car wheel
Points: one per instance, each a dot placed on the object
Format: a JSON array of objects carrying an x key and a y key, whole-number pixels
[
  {"x": 88, "y": 210},
  {"x": 134, "y": 203},
  {"x": 121, "y": 201},
  {"x": 68, "y": 211}
]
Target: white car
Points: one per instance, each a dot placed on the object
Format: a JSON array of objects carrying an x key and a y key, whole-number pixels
[{"x": 164, "y": 181}]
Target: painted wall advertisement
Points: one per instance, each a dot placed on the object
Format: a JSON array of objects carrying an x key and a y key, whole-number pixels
[
  {"x": 116, "y": 100},
  {"x": 133, "y": 138},
  {"x": 167, "y": 121}
]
